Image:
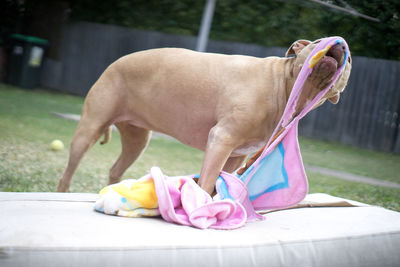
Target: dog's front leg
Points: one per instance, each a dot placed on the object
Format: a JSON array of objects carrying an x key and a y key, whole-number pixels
[{"x": 220, "y": 145}]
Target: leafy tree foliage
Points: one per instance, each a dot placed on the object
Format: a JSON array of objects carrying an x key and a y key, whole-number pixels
[
  {"x": 270, "y": 23},
  {"x": 264, "y": 22}
]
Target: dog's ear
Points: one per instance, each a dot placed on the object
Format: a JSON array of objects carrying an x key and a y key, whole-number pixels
[
  {"x": 296, "y": 47},
  {"x": 334, "y": 99}
]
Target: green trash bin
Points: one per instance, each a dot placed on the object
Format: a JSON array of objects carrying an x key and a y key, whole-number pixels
[{"x": 26, "y": 60}]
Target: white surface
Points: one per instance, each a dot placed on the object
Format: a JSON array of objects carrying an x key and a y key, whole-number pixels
[{"x": 51, "y": 229}]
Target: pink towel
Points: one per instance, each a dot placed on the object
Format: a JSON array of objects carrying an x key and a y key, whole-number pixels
[{"x": 191, "y": 205}]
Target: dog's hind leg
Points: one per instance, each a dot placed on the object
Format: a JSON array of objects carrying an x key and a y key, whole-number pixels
[
  {"x": 86, "y": 135},
  {"x": 133, "y": 140}
]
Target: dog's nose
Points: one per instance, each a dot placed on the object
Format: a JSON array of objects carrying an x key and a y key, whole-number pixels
[{"x": 338, "y": 53}]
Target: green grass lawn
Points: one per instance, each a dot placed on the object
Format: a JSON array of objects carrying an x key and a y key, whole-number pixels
[
  {"x": 384, "y": 166},
  {"x": 27, "y": 163}
]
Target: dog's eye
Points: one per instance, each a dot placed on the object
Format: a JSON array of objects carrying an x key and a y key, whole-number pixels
[{"x": 349, "y": 59}]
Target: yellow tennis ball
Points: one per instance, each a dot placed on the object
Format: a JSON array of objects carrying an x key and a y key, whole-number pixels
[{"x": 57, "y": 145}]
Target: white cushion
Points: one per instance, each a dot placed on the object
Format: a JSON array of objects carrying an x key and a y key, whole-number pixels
[{"x": 56, "y": 229}]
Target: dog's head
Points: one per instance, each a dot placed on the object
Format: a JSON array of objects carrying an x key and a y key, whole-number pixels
[{"x": 323, "y": 72}]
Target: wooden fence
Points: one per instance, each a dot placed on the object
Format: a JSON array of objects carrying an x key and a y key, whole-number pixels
[{"x": 366, "y": 116}]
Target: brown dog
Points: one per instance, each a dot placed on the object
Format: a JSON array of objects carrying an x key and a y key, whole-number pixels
[{"x": 226, "y": 105}]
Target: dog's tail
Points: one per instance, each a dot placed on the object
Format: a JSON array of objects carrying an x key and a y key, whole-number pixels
[{"x": 107, "y": 136}]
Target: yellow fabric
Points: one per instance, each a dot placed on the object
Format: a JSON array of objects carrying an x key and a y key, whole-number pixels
[
  {"x": 317, "y": 57},
  {"x": 142, "y": 192}
]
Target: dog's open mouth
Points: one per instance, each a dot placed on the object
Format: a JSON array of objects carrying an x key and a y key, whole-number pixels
[
  {"x": 327, "y": 64},
  {"x": 337, "y": 52},
  {"x": 333, "y": 59}
]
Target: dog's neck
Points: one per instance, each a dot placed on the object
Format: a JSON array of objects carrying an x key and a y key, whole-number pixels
[
  {"x": 290, "y": 77},
  {"x": 309, "y": 91}
]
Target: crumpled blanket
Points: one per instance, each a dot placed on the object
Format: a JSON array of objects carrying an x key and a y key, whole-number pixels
[{"x": 179, "y": 200}]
